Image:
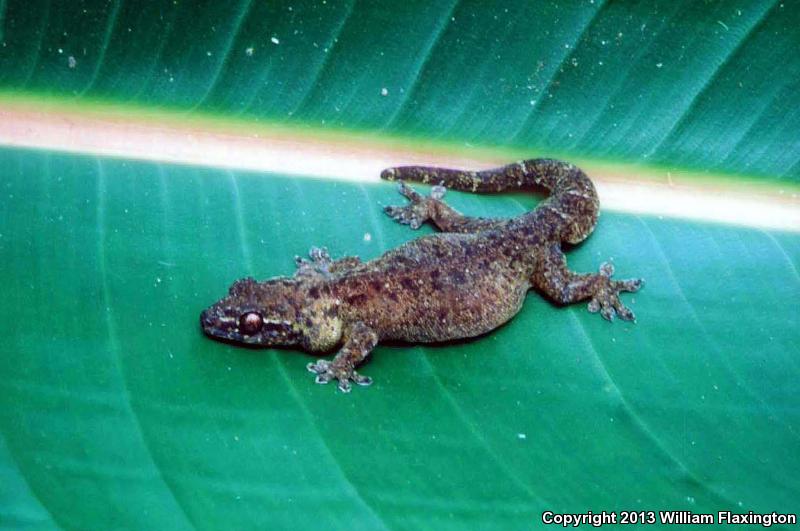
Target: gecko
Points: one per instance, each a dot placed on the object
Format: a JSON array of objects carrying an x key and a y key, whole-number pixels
[{"x": 463, "y": 281}]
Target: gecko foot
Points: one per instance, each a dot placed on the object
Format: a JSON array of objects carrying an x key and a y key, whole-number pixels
[
  {"x": 329, "y": 370},
  {"x": 418, "y": 210},
  {"x": 321, "y": 263},
  {"x": 319, "y": 257},
  {"x": 606, "y": 298}
]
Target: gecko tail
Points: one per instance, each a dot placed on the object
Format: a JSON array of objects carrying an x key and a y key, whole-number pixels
[{"x": 572, "y": 196}]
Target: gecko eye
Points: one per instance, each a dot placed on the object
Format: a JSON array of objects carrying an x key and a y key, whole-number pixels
[{"x": 250, "y": 323}]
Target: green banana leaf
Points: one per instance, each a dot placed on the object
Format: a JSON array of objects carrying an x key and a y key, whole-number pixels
[{"x": 117, "y": 413}]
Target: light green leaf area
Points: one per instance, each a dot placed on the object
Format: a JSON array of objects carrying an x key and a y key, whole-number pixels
[
  {"x": 115, "y": 408},
  {"x": 117, "y": 413}
]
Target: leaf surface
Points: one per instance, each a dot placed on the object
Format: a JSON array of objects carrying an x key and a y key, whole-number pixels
[{"x": 115, "y": 411}]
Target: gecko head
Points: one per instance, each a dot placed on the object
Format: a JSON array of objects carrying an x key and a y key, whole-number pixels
[{"x": 256, "y": 313}]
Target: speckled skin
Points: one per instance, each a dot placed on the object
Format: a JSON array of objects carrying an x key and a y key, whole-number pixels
[{"x": 464, "y": 281}]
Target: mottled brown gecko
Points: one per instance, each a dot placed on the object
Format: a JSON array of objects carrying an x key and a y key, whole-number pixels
[{"x": 462, "y": 282}]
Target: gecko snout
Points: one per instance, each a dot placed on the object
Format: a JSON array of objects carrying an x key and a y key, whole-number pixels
[
  {"x": 207, "y": 319},
  {"x": 211, "y": 320}
]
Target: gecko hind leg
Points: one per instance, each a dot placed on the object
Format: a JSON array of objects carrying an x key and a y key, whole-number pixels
[
  {"x": 431, "y": 208},
  {"x": 418, "y": 209},
  {"x": 606, "y": 297},
  {"x": 566, "y": 287}
]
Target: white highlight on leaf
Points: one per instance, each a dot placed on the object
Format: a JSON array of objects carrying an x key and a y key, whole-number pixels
[{"x": 360, "y": 160}]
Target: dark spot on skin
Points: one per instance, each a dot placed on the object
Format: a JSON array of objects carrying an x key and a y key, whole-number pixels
[
  {"x": 408, "y": 284},
  {"x": 376, "y": 285},
  {"x": 277, "y": 328},
  {"x": 357, "y": 299},
  {"x": 314, "y": 292}
]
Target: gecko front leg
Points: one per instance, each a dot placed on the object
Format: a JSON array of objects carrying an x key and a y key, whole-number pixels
[
  {"x": 358, "y": 343},
  {"x": 431, "y": 208},
  {"x": 321, "y": 263},
  {"x": 565, "y": 286}
]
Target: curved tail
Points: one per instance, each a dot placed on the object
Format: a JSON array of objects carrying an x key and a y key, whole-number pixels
[{"x": 573, "y": 197}]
